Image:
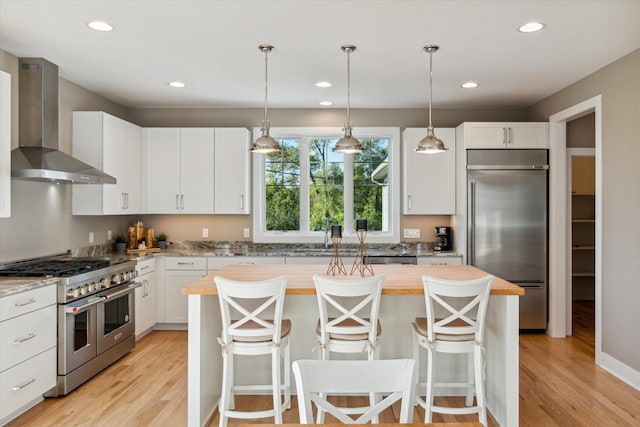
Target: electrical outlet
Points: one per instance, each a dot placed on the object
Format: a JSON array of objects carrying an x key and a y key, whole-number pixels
[
  {"x": 108, "y": 234},
  {"x": 411, "y": 233},
  {"x": 205, "y": 232},
  {"x": 91, "y": 237},
  {"x": 246, "y": 232}
]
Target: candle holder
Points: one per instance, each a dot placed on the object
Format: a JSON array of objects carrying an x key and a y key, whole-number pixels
[
  {"x": 336, "y": 266},
  {"x": 358, "y": 263}
]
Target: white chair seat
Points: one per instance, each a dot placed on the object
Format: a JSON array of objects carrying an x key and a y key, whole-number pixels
[
  {"x": 285, "y": 327},
  {"x": 421, "y": 327},
  {"x": 347, "y": 323}
]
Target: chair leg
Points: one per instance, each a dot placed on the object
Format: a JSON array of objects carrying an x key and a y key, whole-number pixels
[
  {"x": 275, "y": 381},
  {"x": 470, "y": 378},
  {"x": 374, "y": 398},
  {"x": 227, "y": 384},
  {"x": 287, "y": 376},
  {"x": 479, "y": 377},
  {"x": 428, "y": 411},
  {"x": 416, "y": 357},
  {"x": 324, "y": 355}
]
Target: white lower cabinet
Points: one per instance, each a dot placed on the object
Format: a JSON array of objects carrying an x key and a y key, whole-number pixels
[
  {"x": 27, "y": 349},
  {"x": 440, "y": 260},
  {"x": 145, "y": 297},
  {"x": 178, "y": 272}
]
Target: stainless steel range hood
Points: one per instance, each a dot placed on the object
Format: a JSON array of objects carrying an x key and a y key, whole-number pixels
[{"x": 38, "y": 156}]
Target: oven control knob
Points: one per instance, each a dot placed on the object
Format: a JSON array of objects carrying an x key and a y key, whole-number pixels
[
  {"x": 116, "y": 278},
  {"x": 70, "y": 293},
  {"x": 104, "y": 283},
  {"x": 133, "y": 274},
  {"x": 84, "y": 290},
  {"x": 126, "y": 276}
]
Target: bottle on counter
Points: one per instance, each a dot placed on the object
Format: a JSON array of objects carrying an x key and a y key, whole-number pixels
[
  {"x": 150, "y": 238},
  {"x": 132, "y": 238}
]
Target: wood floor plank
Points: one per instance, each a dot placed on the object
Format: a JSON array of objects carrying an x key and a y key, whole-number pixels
[{"x": 560, "y": 386}]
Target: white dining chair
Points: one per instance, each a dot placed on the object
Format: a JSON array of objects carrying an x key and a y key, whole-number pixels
[
  {"x": 315, "y": 379},
  {"x": 348, "y": 321},
  {"x": 456, "y": 311},
  {"x": 252, "y": 324}
]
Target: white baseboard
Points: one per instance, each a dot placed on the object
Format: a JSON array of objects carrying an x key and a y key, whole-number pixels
[{"x": 620, "y": 370}]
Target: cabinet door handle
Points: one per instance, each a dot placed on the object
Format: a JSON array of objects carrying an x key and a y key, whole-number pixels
[
  {"x": 27, "y": 338},
  {"x": 508, "y": 135},
  {"x": 145, "y": 267},
  {"x": 409, "y": 202},
  {"x": 27, "y": 302},
  {"x": 177, "y": 202},
  {"x": 185, "y": 263},
  {"x": 504, "y": 136},
  {"x": 127, "y": 200},
  {"x": 145, "y": 283},
  {"x": 24, "y": 384},
  {"x": 241, "y": 201},
  {"x": 124, "y": 203},
  {"x": 182, "y": 201}
]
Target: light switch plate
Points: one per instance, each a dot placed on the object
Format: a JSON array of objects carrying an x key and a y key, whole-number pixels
[
  {"x": 411, "y": 233},
  {"x": 246, "y": 232},
  {"x": 91, "y": 237},
  {"x": 205, "y": 232}
]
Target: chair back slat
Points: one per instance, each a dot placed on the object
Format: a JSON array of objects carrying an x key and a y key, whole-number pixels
[
  {"x": 240, "y": 315},
  {"x": 393, "y": 378}
]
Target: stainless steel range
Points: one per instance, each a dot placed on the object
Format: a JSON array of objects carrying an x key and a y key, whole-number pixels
[{"x": 96, "y": 313}]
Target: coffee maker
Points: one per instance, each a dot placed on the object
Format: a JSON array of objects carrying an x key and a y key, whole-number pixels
[{"x": 443, "y": 239}]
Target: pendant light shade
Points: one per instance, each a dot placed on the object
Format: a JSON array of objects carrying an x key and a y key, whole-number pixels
[
  {"x": 430, "y": 144},
  {"x": 265, "y": 144},
  {"x": 348, "y": 143}
]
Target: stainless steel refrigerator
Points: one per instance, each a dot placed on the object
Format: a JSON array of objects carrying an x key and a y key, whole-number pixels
[{"x": 507, "y": 223}]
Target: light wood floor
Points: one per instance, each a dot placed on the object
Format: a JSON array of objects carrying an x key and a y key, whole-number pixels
[{"x": 559, "y": 386}]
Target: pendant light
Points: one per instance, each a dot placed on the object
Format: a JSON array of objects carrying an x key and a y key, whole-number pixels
[
  {"x": 348, "y": 144},
  {"x": 265, "y": 144},
  {"x": 430, "y": 144}
]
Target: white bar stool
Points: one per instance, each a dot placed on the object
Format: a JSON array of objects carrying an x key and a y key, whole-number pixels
[
  {"x": 348, "y": 320},
  {"x": 454, "y": 324},
  {"x": 247, "y": 330}
]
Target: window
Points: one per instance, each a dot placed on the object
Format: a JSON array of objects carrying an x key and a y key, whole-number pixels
[{"x": 304, "y": 188}]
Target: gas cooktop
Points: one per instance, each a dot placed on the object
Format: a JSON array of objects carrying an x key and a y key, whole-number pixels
[{"x": 54, "y": 268}]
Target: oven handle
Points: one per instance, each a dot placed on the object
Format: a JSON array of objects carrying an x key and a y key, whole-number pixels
[
  {"x": 126, "y": 290},
  {"x": 76, "y": 309}
]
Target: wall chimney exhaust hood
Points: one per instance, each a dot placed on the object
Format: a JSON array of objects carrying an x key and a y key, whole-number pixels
[{"x": 38, "y": 157}]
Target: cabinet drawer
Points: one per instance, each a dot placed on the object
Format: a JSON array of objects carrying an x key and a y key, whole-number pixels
[
  {"x": 25, "y": 302},
  {"x": 27, "y": 381},
  {"x": 216, "y": 263},
  {"x": 146, "y": 266},
  {"x": 25, "y": 336},
  {"x": 185, "y": 263}
]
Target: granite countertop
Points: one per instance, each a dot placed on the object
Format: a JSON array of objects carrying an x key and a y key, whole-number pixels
[
  {"x": 10, "y": 286},
  {"x": 249, "y": 249}
]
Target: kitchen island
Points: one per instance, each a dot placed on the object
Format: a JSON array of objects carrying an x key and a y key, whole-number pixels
[{"x": 403, "y": 300}]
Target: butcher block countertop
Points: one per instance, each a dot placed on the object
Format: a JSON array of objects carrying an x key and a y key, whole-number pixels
[{"x": 399, "y": 279}]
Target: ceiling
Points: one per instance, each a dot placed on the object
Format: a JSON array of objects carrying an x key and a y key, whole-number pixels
[{"x": 212, "y": 46}]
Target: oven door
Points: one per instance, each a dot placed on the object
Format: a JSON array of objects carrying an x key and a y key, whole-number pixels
[
  {"x": 77, "y": 333},
  {"x": 116, "y": 315}
]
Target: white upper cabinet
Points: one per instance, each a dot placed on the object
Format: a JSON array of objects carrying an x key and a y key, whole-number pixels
[
  {"x": 178, "y": 166},
  {"x": 429, "y": 179},
  {"x": 232, "y": 171},
  {"x": 5, "y": 145},
  {"x": 505, "y": 135},
  {"x": 113, "y": 146}
]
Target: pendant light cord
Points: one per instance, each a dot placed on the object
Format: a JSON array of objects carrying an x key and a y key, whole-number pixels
[
  {"x": 349, "y": 87},
  {"x": 430, "y": 86},
  {"x": 266, "y": 60}
]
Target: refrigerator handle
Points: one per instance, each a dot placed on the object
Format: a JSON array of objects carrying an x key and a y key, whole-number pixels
[{"x": 472, "y": 222}]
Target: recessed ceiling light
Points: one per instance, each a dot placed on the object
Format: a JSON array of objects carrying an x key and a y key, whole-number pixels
[
  {"x": 323, "y": 84},
  {"x": 177, "y": 84},
  {"x": 469, "y": 85},
  {"x": 100, "y": 26},
  {"x": 325, "y": 103},
  {"x": 531, "y": 27}
]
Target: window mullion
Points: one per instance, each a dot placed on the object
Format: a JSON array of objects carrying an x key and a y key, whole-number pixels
[
  {"x": 348, "y": 193},
  {"x": 304, "y": 185}
]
